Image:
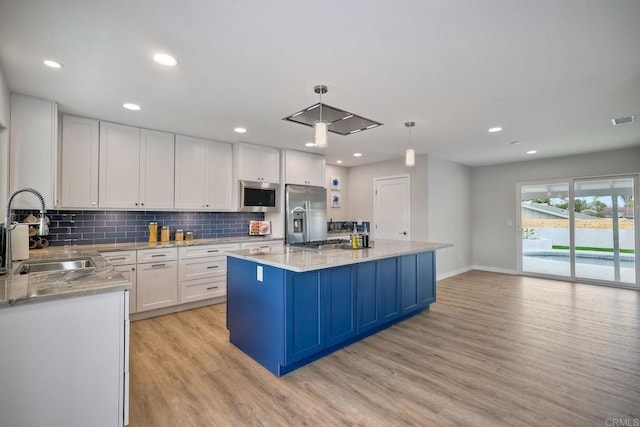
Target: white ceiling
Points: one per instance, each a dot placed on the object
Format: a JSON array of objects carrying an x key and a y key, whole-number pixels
[{"x": 552, "y": 73}]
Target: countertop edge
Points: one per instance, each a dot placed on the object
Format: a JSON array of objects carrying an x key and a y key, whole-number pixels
[{"x": 426, "y": 247}]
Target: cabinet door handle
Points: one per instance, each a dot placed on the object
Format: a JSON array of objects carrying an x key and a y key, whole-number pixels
[
  {"x": 158, "y": 265},
  {"x": 212, "y": 287},
  {"x": 133, "y": 269},
  {"x": 213, "y": 250},
  {"x": 212, "y": 266},
  {"x": 119, "y": 258},
  {"x": 157, "y": 255}
]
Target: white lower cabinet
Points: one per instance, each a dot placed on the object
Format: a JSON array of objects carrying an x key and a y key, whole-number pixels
[
  {"x": 129, "y": 272},
  {"x": 267, "y": 244},
  {"x": 65, "y": 362},
  {"x": 125, "y": 264},
  {"x": 157, "y": 279},
  {"x": 202, "y": 271}
]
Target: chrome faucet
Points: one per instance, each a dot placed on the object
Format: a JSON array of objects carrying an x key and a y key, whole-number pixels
[{"x": 43, "y": 229}]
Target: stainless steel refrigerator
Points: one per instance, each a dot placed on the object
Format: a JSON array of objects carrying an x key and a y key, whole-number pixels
[{"x": 306, "y": 213}]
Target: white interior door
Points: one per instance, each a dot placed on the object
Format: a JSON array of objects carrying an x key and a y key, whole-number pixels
[{"x": 392, "y": 207}]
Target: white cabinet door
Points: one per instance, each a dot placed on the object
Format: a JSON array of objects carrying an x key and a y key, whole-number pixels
[
  {"x": 156, "y": 169},
  {"x": 316, "y": 167},
  {"x": 119, "y": 166},
  {"x": 203, "y": 171},
  {"x": 65, "y": 362},
  {"x": 219, "y": 176},
  {"x": 33, "y": 150},
  {"x": 129, "y": 272},
  {"x": 79, "y": 163},
  {"x": 256, "y": 163},
  {"x": 304, "y": 168},
  {"x": 157, "y": 285},
  {"x": 190, "y": 173}
]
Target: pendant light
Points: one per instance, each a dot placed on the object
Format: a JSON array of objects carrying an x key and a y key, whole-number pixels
[
  {"x": 321, "y": 126},
  {"x": 410, "y": 154}
]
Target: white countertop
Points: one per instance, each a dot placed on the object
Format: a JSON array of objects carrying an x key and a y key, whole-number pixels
[
  {"x": 38, "y": 287},
  {"x": 299, "y": 260}
]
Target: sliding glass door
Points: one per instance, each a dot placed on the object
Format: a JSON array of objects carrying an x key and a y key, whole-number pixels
[
  {"x": 604, "y": 229},
  {"x": 580, "y": 229},
  {"x": 545, "y": 226}
]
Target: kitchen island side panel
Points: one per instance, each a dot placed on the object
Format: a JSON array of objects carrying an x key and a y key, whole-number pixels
[{"x": 256, "y": 312}]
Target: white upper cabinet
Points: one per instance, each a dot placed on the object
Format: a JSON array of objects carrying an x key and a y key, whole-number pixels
[
  {"x": 304, "y": 168},
  {"x": 79, "y": 163},
  {"x": 33, "y": 150},
  {"x": 136, "y": 168},
  {"x": 156, "y": 169},
  {"x": 119, "y": 166},
  {"x": 203, "y": 173},
  {"x": 257, "y": 163}
]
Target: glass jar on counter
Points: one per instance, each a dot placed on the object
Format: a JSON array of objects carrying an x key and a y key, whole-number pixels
[
  {"x": 165, "y": 233},
  {"x": 153, "y": 232},
  {"x": 188, "y": 235},
  {"x": 179, "y": 235}
]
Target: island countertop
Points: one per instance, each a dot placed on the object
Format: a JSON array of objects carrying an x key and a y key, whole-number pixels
[{"x": 301, "y": 259}]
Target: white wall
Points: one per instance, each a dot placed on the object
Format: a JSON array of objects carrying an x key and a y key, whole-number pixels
[
  {"x": 4, "y": 141},
  {"x": 440, "y": 205},
  {"x": 494, "y": 206},
  {"x": 361, "y": 191},
  {"x": 341, "y": 213},
  {"x": 449, "y": 214}
]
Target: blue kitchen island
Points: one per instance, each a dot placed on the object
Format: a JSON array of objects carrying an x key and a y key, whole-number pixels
[{"x": 288, "y": 306}]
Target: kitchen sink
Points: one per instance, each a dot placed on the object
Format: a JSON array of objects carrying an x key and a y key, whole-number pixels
[{"x": 51, "y": 265}]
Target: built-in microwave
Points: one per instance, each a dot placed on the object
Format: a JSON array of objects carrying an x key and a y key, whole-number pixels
[{"x": 259, "y": 196}]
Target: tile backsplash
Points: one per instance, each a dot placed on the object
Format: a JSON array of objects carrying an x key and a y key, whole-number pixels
[{"x": 106, "y": 227}]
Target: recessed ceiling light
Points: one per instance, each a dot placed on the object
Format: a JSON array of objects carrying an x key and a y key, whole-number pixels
[
  {"x": 165, "y": 59},
  {"x": 532, "y": 152},
  {"x": 515, "y": 142},
  {"x": 240, "y": 130},
  {"x": 357, "y": 154},
  {"x": 339, "y": 162},
  {"x": 310, "y": 144},
  {"x": 495, "y": 129},
  {"x": 52, "y": 64},
  {"x": 132, "y": 107}
]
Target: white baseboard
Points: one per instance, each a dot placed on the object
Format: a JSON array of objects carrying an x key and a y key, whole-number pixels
[
  {"x": 494, "y": 270},
  {"x": 453, "y": 273}
]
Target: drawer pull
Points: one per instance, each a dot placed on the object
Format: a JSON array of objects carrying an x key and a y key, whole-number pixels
[
  {"x": 212, "y": 287},
  {"x": 157, "y": 255},
  {"x": 158, "y": 265},
  {"x": 118, "y": 258},
  {"x": 213, "y": 250},
  {"x": 212, "y": 266}
]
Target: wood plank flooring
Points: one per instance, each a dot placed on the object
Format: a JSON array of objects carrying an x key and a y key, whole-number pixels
[{"x": 495, "y": 350}]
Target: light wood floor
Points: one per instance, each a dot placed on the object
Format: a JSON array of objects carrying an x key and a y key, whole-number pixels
[{"x": 495, "y": 350}]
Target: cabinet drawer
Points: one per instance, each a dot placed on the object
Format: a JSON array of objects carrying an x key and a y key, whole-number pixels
[
  {"x": 200, "y": 268},
  {"x": 195, "y": 290},
  {"x": 120, "y": 257},
  {"x": 269, "y": 243},
  {"x": 153, "y": 255},
  {"x": 201, "y": 251}
]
